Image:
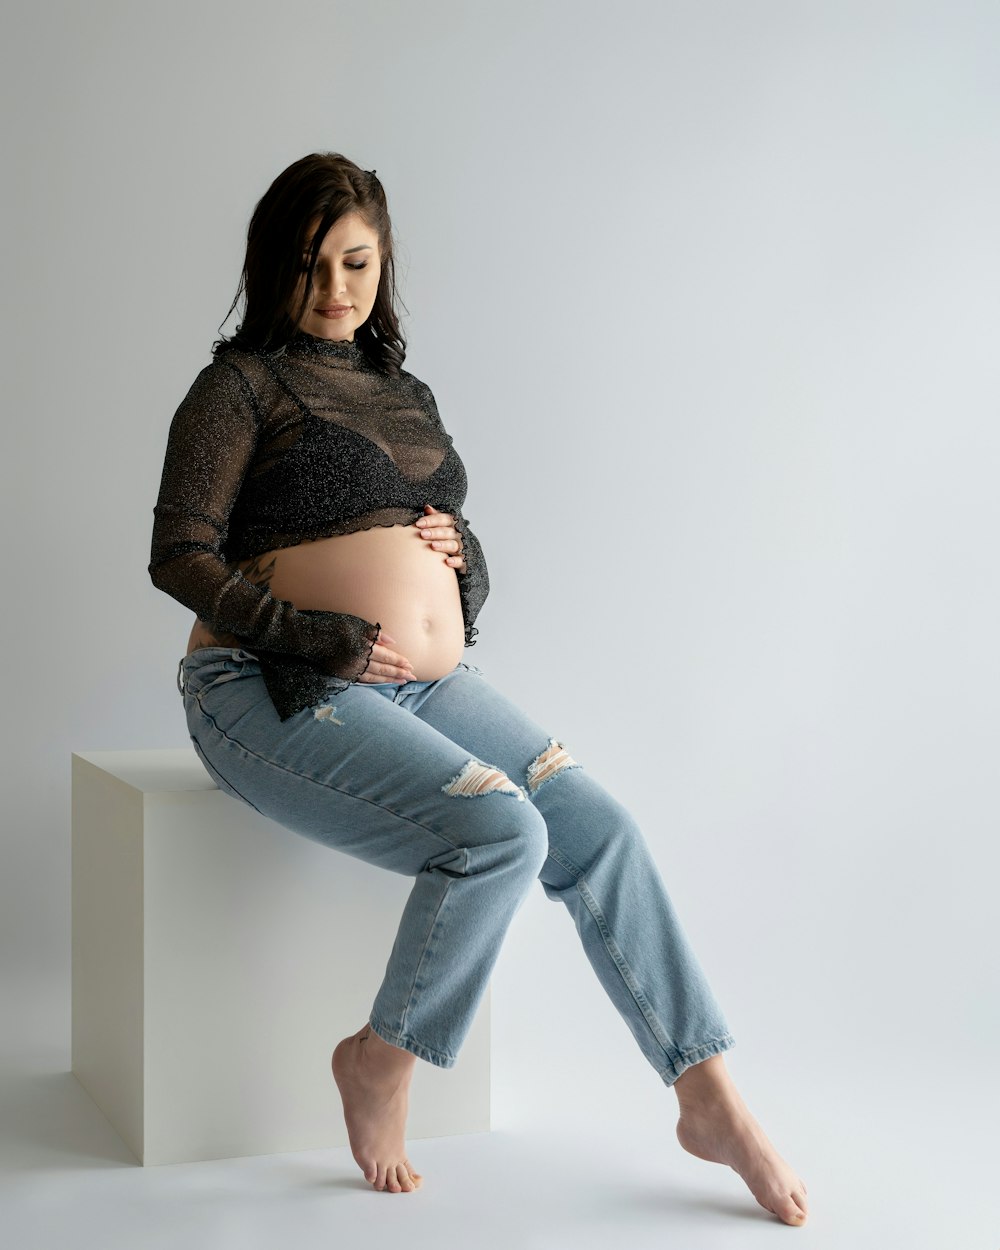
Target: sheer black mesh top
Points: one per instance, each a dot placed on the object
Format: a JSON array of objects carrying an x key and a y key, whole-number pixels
[{"x": 270, "y": 449}]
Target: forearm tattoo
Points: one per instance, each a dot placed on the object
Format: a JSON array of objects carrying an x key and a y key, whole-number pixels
[
  {"x": 258, "y": 572},
  {"x": 205, "y": 636}
]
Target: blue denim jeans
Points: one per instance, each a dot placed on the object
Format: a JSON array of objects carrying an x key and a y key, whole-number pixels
[{"x": 450, "y": 783}]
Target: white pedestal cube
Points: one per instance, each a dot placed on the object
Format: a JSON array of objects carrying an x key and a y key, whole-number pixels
[{"x": 217, "y": 960}]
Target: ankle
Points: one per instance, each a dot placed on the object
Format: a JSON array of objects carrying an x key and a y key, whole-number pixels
[
  {"x": 377, "y": 1048},
  {"x": 706, "y": 1084}
]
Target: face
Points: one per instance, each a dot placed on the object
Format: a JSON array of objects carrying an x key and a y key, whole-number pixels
[{"x": 347, "y": 273}]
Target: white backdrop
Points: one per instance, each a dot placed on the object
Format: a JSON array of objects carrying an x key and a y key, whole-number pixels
[{"x": 707, "y": 293}]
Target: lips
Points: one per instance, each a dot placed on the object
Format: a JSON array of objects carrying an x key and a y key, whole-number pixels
[{"x": 336, "y": 308}]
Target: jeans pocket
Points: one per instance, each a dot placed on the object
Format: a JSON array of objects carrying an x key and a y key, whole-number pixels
[{"x": 202, "y": 688}]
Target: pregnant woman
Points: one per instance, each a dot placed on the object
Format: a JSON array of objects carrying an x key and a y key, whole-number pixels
[{"x": 310, "y": 515}]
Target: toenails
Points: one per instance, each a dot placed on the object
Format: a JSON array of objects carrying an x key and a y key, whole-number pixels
[{"x": 397, "y": 1179}]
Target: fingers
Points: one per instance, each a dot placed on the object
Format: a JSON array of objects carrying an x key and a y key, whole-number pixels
[
  {"x": 438, "y": 533},
  {"x": 387, "y": 665},
  {"x": 437, "y": 525},
  {"x": 443, "y": 538}
]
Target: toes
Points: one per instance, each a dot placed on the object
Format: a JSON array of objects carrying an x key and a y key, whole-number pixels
[
  {"x": 790, "y": 1211},
  {"x": 393, "y": 1178},
  {"x": 371, "y": 1171}
]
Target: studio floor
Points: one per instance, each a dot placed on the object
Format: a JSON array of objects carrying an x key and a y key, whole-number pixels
[{"x": 895, "y": 1160}]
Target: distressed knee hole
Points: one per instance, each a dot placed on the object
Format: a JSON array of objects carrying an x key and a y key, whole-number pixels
[
  {"x": 477, "y": 778},
  {"x": 326, "y": 713},
  {"x": 552, "y": 760}
]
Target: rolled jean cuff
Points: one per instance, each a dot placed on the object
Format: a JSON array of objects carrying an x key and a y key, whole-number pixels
[
  {"x": 690, "y": 1057},
  {"x": 405, "y": 1042}
]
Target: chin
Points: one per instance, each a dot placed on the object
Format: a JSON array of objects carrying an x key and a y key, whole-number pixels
[{"x": 332, "y": 329}]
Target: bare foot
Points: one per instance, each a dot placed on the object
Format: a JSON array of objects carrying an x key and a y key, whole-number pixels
[
  {"x": 716, "y": 1125},
  {"x": 374, "y": 1082}
]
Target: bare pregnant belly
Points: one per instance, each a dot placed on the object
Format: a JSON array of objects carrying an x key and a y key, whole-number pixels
[{"x": 388, "y": 574}]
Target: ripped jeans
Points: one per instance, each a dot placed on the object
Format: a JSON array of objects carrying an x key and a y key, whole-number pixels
[{"x": 450, "y": 783}]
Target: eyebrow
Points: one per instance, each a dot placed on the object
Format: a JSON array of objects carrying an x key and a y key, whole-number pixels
[{"x": 347, "y": 251}]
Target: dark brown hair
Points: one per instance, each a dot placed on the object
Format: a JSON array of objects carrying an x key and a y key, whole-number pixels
[{"x": 324, "y": 185}]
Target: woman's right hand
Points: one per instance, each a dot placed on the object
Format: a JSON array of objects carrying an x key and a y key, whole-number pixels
[{"x": 386, "y": 664}]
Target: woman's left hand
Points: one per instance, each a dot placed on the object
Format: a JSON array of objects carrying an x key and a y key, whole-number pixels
[{"x": 438, "y": 529}]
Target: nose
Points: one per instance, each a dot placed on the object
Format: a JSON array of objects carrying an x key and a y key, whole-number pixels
[{"x": 330, "y": 283}]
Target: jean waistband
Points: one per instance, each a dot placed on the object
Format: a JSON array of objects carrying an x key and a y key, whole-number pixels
[{"x": 208, "y": 655}]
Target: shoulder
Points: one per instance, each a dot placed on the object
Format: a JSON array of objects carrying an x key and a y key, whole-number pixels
[
  {"x": 415, "y": 386},
  {"x": 234, "y": 362},
  {"x": 253, "y": 372},
  {"x": 423, "y": 396},
  {"x": 226, "y": 382}
]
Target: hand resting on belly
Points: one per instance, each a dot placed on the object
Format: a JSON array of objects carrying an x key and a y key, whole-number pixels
[{"x": 388, "y": 574}]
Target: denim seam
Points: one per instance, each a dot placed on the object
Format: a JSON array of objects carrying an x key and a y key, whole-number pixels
[
  {"x": 571, "y": 868},
  {"x": 628, "y": 976},
  {"x": 326, "y": 785},
  {"x": 712, "y": 1041},
  {"x": 210, "y": 770},
  {"x": 426, "y": 947}
]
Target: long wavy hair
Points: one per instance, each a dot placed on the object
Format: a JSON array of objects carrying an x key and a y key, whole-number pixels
[{"x": 325, "y": 185}]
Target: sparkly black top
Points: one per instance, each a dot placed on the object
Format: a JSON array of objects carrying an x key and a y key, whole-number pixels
[{"x": 268, "y": 450}]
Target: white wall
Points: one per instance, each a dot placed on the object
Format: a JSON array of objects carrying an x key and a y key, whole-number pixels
[{"x": 707, "y": 293}]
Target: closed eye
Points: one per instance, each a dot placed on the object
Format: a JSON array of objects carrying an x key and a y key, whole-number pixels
[{"x": 363, "y": 265}]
